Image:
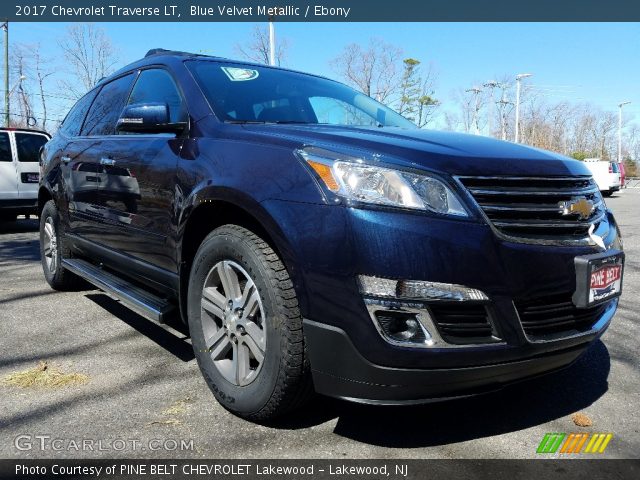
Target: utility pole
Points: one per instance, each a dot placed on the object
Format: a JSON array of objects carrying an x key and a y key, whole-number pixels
[
  {"x": 519, "y": 77},
  {"x": 272, "y": 42},
  {"x": 476, "y": 92},
  {"x": 491, "y": 84},
  {"x": 503, "y": 102},
  {"x": 5, "y": 27},
  {"x": 620, "y": 105}
]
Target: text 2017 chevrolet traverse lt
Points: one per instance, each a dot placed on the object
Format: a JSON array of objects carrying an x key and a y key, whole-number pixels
[{"x": 314, "y": 239}]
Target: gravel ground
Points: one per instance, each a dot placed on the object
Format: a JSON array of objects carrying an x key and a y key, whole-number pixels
[{"x": 145, "y": 395}]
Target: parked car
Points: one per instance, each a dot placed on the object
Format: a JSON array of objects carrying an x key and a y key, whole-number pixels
[
  {"x": 312, "y": 238},
  {"x": 606, "y": 174},
  {"x": 19, "y": 170},
  {"x": 623, "y": 175}
]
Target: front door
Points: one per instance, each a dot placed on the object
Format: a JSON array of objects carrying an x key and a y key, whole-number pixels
[{"x": 136, "y": 191}]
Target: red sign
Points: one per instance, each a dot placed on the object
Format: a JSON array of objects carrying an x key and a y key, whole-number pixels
[{"x": 605, "y": 276}]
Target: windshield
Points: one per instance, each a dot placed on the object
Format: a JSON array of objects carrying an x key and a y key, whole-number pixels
[{"x": 240, "y": 93}]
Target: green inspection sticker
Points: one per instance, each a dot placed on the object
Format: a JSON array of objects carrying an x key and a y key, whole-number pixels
[{"x": 240, "y": 74}]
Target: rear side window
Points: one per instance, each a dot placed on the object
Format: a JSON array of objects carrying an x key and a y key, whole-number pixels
[
  {"x": 28, "y": 146},
  {"x": 5, "y": 148},
  {"x": 73, "y": 121},
  {"x": 106, "y": 108},
  {"x": 157, "y": 86},
  {"x": 614, "y": 167}
]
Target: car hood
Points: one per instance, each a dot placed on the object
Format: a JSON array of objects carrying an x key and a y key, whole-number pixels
[{"x": 447, "y": 152}]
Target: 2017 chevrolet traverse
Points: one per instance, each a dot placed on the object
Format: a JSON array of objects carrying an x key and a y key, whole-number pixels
[{"x": 312, "y": 238}]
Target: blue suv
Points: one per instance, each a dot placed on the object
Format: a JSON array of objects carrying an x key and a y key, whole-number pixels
[{"x": 312, "y": 239}]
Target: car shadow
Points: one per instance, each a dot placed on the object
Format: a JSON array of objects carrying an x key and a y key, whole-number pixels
[
  {"x": 516, "y": 407},
  {"x": 177, "y": 346},
  {"x": 20, "y": 226}
]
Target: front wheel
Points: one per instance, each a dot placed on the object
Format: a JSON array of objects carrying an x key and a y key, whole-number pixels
[{"x": 245, "y": 325}]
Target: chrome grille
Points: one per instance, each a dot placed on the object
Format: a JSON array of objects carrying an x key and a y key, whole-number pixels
[{"x": 528, "y": 208}]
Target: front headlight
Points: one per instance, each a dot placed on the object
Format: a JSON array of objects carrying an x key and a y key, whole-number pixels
[{"x": 364, "y": 183}]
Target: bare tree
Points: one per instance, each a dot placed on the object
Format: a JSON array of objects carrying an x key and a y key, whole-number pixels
[
  {"x": 374, "y": 69},
  {"x": 90, "y": 55},
  {"x": 20, "y": 66},
  {"x": 43, "y": 71},
  {"x": 257, "y": 48}
]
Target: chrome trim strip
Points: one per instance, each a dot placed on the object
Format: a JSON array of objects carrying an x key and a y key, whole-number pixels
[{"x": 531, "y": 192}]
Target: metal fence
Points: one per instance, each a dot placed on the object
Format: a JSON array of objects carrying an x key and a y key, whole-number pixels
[{"x": 633, "y": 182}]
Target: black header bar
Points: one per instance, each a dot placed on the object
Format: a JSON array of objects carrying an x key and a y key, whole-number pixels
[{"x": 320, "y": 10}]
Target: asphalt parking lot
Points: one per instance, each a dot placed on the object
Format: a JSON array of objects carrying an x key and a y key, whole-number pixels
[{"x": 144, "y": 387}]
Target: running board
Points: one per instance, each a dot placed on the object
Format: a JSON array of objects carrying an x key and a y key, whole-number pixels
[{"x": 134, "y": 297}]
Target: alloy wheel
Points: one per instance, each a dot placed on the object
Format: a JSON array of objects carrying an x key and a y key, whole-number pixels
[
  {"x": 50, "y": 245},
  {"x": 233, "y": 322}
]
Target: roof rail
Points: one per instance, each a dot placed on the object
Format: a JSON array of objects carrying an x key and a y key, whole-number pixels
[{"x": 163, "y": 51}]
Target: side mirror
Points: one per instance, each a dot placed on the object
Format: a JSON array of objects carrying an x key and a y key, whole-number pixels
[{"x": 148, "y": 118}]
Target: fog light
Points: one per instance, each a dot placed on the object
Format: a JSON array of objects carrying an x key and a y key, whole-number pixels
[
  {"x": 401, "y": 327},
  {"x": 418, "y": 290}
]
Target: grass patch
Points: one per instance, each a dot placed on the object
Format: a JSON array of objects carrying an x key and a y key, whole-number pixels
[
  {"x": 178, "y": 408},
  {"x": 44, "y": 376}
]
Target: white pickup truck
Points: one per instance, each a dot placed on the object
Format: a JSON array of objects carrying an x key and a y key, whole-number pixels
[
  {"x": 605, "y": 173},
  {"x": 19, "y": 171}
]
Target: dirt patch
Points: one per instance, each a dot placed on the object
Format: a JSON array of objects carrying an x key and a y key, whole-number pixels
[{"x": 44, "y": 376}]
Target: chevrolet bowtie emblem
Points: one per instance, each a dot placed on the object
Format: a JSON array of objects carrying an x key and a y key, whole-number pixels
[{"x": 576, "y": 206}]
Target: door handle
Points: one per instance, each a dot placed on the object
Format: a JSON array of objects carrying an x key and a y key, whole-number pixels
[
  {"x": 107, "y": 161},
  {"x": 65, "y": 159}
]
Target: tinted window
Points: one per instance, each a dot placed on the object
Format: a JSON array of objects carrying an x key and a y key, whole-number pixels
[
  {"x": 106, "y": 108},
  {"x": 157, "y": 86},
  {"x": 614, "y": 167},
  {"x": 28, "y": 146},
  {"x": 253, "y": 93},
  {"x": 5, "y": 148},
  {"x": 73, "y": 121}
]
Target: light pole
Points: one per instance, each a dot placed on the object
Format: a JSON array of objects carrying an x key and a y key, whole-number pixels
[
  {"x": 491, "y": 84},
  {"x": 620, "y": 105},
  {"x": 272, "y": 42},
  {"x": 5, "y": 27},
  {"x": 476, "y": 92},
  {"x": 519, "y": 77}
]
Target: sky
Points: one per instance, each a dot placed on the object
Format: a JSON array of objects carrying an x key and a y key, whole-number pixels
[{"x": 597, "y": 63}]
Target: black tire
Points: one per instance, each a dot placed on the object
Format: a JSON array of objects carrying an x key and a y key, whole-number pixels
[
  {"x": 282, "y": 382},
  {"x": 607, "y": 193},
  {"x": 57, "y": 277}
]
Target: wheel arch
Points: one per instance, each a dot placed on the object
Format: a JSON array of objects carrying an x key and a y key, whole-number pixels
[
  {"x": 44, "y": 195},
  {"x": 216, "y": 207}
]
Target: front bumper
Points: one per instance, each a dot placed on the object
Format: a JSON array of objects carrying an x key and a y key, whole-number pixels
[
  {"x": 339, "y": 370},
  {"x": 329, "y": 246}
]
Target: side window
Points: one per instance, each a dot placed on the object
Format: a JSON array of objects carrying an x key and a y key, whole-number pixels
[
  {"x": 157, "y": 86},
  {"x": 28, "y": 146},
  {"x": 104, "y": 112},
  {"x": 73, "y": 121},
  {"x": 5, "y": 148}
]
